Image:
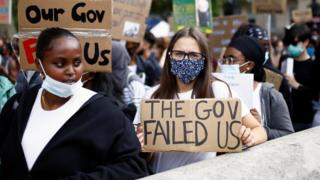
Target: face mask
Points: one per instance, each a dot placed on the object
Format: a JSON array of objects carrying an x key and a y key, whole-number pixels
[
  {"x": 295, "y": 51},
  {"x": 186, "y": 70},
  {"x": 314, "y": 37},
  {"x": 311, "y": 51},
  {"x": 58, "y": 88},
  {"x": 231, "y": 68}
]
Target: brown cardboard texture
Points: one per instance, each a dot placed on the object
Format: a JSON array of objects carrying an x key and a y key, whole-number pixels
[
  {"x": 89, "y": 20},
  {"x": 302, "y": 16},
  {"x": 129, "y": 16},
  {"x": 70, "y": 14},
  {"x": 196, "y": 125},
  {"x": 269, "y": 6},
  {"x": 223, "y": 29},
  {"x": 273, "y": 78}
]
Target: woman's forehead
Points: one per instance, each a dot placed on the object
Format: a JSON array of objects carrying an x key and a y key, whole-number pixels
[
  {"x": 63, "y": 43},
  {"x": 187, "y": 44}
]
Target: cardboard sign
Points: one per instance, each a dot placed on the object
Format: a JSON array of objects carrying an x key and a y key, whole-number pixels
[
  {"x": 128, "y": 21},
  {"x": 242, "y": 84},
  {"x": 273, "y": 78},
  {"x": 269, "y": 6},
  {"x": 223, "y": 29},
  {"x": 195, "y": 125},
  {"x": 302, "y": 16},
  {"x": 90, "y": 21},
  {"x": 5, "y": 11}
]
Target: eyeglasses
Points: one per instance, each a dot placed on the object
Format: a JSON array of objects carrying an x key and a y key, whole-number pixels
[
  {"x": 229, "y": 60},
  {"x": 180, "y": 55}
]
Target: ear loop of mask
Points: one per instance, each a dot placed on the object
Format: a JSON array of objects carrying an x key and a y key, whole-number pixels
[
  {"x": 244, "y": 65},
  {"x": 42, "y": 67}
]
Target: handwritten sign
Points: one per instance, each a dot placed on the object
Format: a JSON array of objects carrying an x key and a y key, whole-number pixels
[
  {"x": 223, "y": 29},
  {"x": 90, "y": 21},
  {"x": 191, "y": 125},
  {"x": 128, "y": 21},
  {"x": 302, "y": 16},
  {"x": 269, "y": 6},
  {"x": 5, "y": 11}
]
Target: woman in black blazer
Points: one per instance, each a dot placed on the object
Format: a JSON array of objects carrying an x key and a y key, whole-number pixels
[{"x": 62, "y": 130}]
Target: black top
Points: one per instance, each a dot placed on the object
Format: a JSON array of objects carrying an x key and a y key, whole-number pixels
[
  {"x": 97, "y": 142},
  {"x": 150, "y": 67},
  {"x": 307, "y": 73}
]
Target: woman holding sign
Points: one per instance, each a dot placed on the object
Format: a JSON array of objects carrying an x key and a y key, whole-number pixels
[
  {"x": 59, "y": 130},
  {"x": 269, "y": 105},
  {"x": 187, "y": 75}
]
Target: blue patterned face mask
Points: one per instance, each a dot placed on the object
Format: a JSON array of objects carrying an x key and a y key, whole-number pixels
[{"x": 186, "y": 70}]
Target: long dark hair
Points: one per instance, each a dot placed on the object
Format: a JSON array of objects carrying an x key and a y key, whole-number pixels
[{"x": 202, "y": 87}]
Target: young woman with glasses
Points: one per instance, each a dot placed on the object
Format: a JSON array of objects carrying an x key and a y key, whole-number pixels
[{"x": 187, "y": 75}]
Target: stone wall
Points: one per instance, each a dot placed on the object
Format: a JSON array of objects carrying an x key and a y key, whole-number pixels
[{"x": 296, "y": 156}]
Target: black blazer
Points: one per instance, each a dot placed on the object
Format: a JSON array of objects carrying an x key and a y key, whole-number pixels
[{"x": 97, "y": 142}]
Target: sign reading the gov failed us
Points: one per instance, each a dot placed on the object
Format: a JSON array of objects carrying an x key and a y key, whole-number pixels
[
  {"x": 196, "y": 125},
  {"x": 90, "y": 21}
]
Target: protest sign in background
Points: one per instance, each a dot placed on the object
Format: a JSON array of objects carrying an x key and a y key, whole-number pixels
[
  {"x": 90, "y": 21},
  {"x": 191, "y": 125},
  {"x": 223, "y": 29},
  {"x": 128, "y": 21},
  {"x": 302, "y": 15},
  {"x": 184, "y": 13},
  {"x": 242, "y": 84},
  {"x": 273, "y": 78},
  {"x": 190, "y": 13},
  {"x": 269, "y": 6},
  {"x": 5, "y": 11}
]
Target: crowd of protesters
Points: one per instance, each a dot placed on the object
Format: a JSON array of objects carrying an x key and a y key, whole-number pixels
[{"x": 62, "y": 123}]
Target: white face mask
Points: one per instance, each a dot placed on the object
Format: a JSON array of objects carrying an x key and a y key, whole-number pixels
[
  {"x": 58, "y": 88},
  {"x": 231, "y": 68}
]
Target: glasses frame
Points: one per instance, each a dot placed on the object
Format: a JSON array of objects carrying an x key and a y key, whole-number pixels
[
  {"x": 223, "y": 60},
  {"x": 186, "y": 54}
]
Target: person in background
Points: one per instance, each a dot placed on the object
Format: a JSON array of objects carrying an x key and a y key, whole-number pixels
[
  {"x": 13, "y": 69},
  {"x": 269, "y": 105},
  {"x": 304, "y": 81},
  {"x": 58, "y": 130},
  {"x": 187, "y": 75},
  {"x": 7, "y": 88},
  {"x": 122, "y": 85},
  {"x": 261, "y": 35},
  {"x": 146, "y": 60},
  {"x": 160, "y": 49},
  {"x": 276, "y": 51}
]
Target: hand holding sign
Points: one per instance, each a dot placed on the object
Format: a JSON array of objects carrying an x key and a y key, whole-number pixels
[{"x": 247, "y": 136}]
